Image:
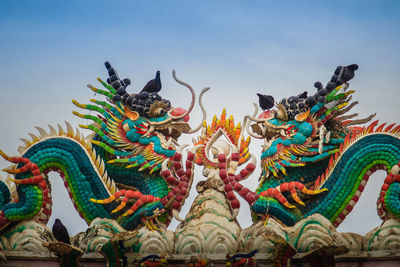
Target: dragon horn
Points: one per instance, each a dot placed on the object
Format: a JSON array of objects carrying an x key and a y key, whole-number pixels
[
  {"x": 172, "y": 117},
  {"x": 191, "y": 104},
  {"x": 202, "y": 109},
  {"x": 253, "y": 117}
]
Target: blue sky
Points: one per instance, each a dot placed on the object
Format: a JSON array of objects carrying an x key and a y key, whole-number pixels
[{"x": 50, "y": 50}]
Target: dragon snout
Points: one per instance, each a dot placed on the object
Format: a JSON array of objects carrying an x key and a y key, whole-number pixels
[{"x": 180, "y": 111}]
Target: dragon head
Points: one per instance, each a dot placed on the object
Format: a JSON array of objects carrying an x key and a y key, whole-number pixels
[
  {"x": 303, "y": 129},
  {"x": 139, "y": 130},
  {"x": 285, "y": 141},
  {"x": 303, "y": 138}
]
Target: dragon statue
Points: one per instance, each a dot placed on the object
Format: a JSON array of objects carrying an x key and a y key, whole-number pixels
[
  {"x": 130, "y": 177},
  {"x": 315, "y": 159},
  {"x": 116, "y": 172}
]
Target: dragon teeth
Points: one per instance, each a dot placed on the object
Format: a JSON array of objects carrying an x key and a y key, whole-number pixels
[{"x": 169, "y": 142}]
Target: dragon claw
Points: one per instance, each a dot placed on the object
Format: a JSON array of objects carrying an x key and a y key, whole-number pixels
[
  {"x": 151, "y": 222},
  {"x": 120, "y": 207},
  {"x": 295, "y": 196},
  {"x": 128, "y": 212},
  {"x": 297, "y": 199},
  {"x": 266, "y": 219},
  {"x": 12, "y": 171},
  {"x": 140, "y": 201},
  {"x": 320, "y": 190},
  {"x": 147, "y": 225},
  {"x": 153, "y": 226},
  {"x": 290, "y": 187},
  {"x": 14, "y": 180},
  {"x": 4, "y": 155}
]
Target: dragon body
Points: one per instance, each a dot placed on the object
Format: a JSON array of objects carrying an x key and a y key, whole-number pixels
[
  {"x": 315, "y": 160},
  {"x": 116, "y": 172}
]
